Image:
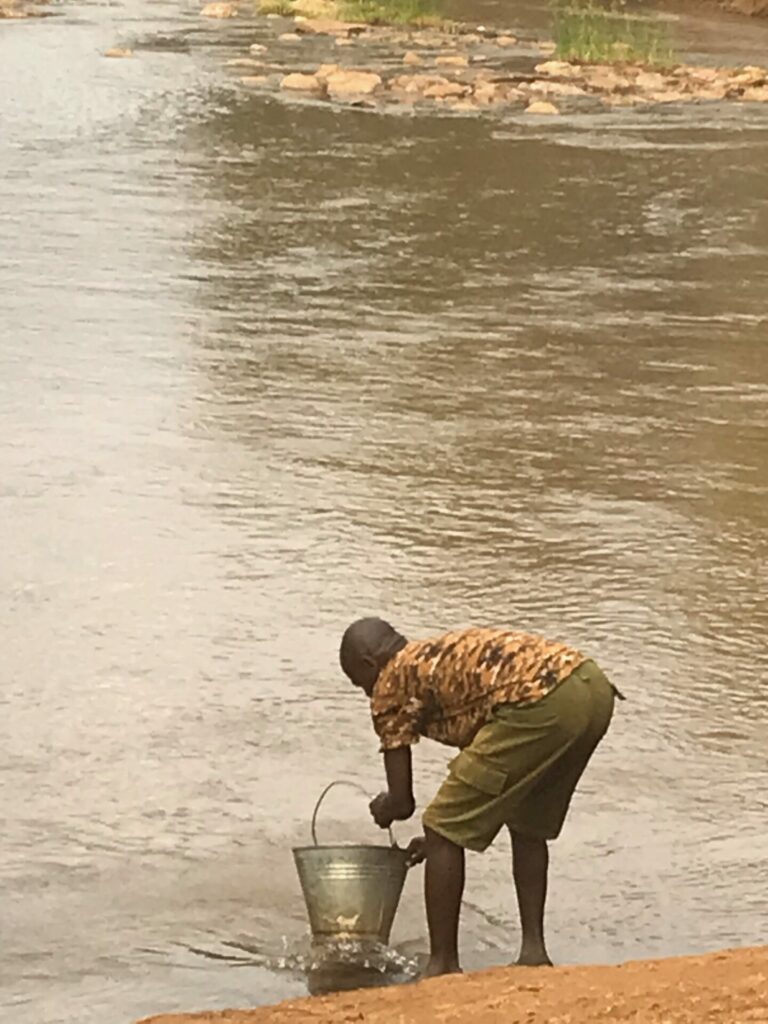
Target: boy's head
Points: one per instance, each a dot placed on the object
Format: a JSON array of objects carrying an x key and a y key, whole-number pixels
[{"x": 366, "y": 647}]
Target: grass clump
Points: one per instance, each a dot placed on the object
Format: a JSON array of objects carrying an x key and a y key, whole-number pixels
[
  {"x": 282, "y": 7},
  {"x": 419, "y": 13},
  {"x": 593, "y": 33},
  {"x": 416, "y": 13}
]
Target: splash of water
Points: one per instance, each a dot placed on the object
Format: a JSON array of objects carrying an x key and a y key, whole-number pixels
[{"x": 333, "y": 965}]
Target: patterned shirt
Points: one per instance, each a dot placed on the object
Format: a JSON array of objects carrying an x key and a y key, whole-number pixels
[{"x": 446, "y": 688}]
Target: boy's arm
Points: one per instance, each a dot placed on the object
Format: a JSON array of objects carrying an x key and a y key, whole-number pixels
[{"x": 397, "y": 803}]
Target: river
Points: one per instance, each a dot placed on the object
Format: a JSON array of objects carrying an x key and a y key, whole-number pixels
[{"x": 266, "y": 367}]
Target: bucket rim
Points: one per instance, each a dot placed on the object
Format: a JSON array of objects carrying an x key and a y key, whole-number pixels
[{"x": 349, "y": 846}]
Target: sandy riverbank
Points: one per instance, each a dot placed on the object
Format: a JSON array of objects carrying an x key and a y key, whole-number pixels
[{"x": 730, "y": 987}]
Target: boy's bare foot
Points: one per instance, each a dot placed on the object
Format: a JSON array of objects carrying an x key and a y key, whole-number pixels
[
  {"x": 436, "y": 968},
  {"x": 533, "y": 958}
]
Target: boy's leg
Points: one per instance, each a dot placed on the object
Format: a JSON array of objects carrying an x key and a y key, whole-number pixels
[
  {"x": 443, "y": 888},
  {"x": 530, "y": 863}
]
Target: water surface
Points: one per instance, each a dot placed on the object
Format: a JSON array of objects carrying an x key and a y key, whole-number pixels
[{"x": 267, "y": 367}]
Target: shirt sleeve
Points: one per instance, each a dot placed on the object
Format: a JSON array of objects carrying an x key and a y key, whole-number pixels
[
  {"x": 395, "y": 712},
  {"x": 395, "y": 722}
]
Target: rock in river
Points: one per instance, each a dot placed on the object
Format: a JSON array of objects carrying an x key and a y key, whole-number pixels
[
  {"x": 244, "y": 62},
  {"x": 302, "y": 83},
  {"x": 345, "y": 84},
  {"x": 219, "y": 9},
  {"x": 443, "y": 90},
  {"x": 757, "y": 94},
  {"x": 541, "y": 107},
  {"x": 453, "y": 60},
  {"x": 559, "y": 68}
]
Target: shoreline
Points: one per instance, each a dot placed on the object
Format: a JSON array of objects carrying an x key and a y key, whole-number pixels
[{"x": 727, "y": 987}]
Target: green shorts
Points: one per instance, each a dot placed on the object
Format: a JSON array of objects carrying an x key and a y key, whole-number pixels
[{"x": 522, "y": 767}]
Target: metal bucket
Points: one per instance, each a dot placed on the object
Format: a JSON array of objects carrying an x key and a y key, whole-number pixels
[{"x": 350, "y": 891}]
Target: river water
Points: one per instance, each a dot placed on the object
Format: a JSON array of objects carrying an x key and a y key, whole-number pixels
[{"x": 266, "y": 367}]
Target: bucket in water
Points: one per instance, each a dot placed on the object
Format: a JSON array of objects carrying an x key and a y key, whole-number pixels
[{"x": 350, "y": 891}]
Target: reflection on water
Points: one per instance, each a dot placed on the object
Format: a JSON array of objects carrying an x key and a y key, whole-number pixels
[{"x": 268, "y": 367}]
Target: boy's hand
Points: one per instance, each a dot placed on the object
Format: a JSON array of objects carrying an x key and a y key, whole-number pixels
[
  {"x": 416, "y": 851},
  {"x": 381, "y": 810}
]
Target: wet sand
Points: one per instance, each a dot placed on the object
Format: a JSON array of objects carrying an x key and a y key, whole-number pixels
[{"x": 729, "y": 987}]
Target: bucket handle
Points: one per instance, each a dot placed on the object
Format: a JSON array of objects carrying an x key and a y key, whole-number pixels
[{"x": 328, "y": 788}]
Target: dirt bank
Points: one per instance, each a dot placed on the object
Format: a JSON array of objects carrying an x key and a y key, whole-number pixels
[{"x": 722, "y": 988}]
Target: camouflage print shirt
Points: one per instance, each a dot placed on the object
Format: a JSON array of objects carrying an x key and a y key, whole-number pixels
[{"x": 446, "y": 688}]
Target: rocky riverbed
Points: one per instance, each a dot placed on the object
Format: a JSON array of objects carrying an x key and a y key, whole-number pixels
[
  {"x": 19, "y": 9},
  {"x": 464, "y": 70}
]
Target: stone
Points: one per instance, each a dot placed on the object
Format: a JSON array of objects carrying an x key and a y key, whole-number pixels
[
  {"x": 649, "y": 81},
  {"x": 326, "y": 70},
  {"x": 411, "y": 58},
  {"x": 749, "y": 76},
  {"x": 118, "y": 51},
  {"x": 715, "y": 91},
  {"x": 558, "y": 68},
  {"x": 257, "y": 48},
  {"x": 343, "y": 41},
  {"x": 756, "y": 94},
  {"x": 445, "y": 90},
  {"x": 413, "y": 84},
  {"x": 289, "y": 37},
  {"x": 615, "y": 100},
  {"x": 253, "y": 79},
  {"x": 244, "y": 62},
  {"x": 453, "y": 60},
  {"x": 343, "y": 84},
  {"x": 546, "y": 47},
  {"x": 510, "y": 93},
  {"x": 541, "y": 107},
  {"x": 603, "y": 78},
  {"x": 505, "y": 41},
  {"x": 670, "y": 96},
  {"x": 218, "y": 9},
  {"x": 463, "y": 105},
  {"x": 486, "y": 92},
  {"x": 557, "y": 88},
  {"x": 329, "y": 27},
  {"x": 298, "y": 82},
  {"x": 698, "y": 74}
]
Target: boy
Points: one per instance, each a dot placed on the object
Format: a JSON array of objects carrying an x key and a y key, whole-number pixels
[{"x": 526, "y": 713}]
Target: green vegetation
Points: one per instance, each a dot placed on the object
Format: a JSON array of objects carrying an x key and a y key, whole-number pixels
[
  {"x": 419, "y": 13},
  {"x": 588, "y": 31},
  {"x": 282, "y": 7},
  {"x": 422, "y": 13}
]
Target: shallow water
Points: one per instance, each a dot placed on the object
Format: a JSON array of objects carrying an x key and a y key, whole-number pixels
[{"x": 269, "y": 366}]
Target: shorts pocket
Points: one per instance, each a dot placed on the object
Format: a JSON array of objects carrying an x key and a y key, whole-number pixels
[{"x": 467, "y": 768}]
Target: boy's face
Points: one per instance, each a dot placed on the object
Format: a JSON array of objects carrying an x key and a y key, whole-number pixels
[{"x": 362, "y": 670}]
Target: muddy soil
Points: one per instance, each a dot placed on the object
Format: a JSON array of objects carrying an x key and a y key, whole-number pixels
[{"x": 725, "y": 987}]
